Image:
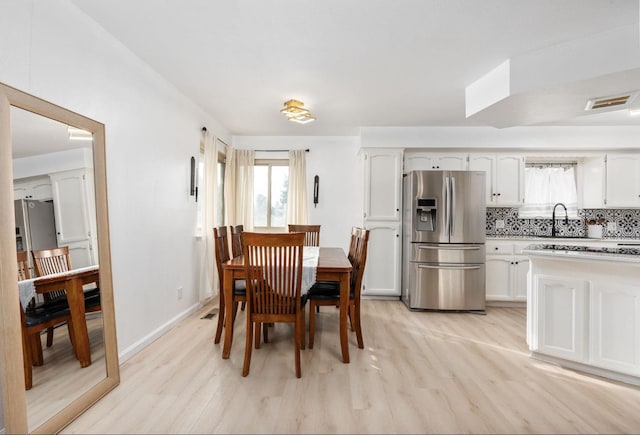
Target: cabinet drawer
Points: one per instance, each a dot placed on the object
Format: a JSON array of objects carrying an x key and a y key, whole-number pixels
[{"x": 499, "y": 248}]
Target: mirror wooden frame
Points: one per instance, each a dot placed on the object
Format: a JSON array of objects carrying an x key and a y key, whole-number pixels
[{"x": 11, "y": 363}]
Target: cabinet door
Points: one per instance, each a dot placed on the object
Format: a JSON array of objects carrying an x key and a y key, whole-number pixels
[
  {"x": 383, "y": 179},
  {"x": 498, "y": 277},
  {"x": 615, "y": 327},
  {"x": 560, "y": 317},
  {"x": 623, "y": 180},
  {"x": 70, "y": 203},
  {"x": 37, "y": 189},
  {"x": 520, "y": 272},
  {"x": 509, "y": 180},
  {"x": 382, "y": 271},
  {"x": 430, "y": 161},
  {"x": 486, "y": 163}
]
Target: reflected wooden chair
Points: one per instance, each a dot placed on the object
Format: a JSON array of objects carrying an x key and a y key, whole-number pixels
[
  {"x": 328, "y": 293},
  {"x": 311, "y": 233},
  {"x": 56, "y": 260},
  {"x": 273, "y": 264},
  {"x": 34, "y": 319},
  {"x": 221, "y": 243}
]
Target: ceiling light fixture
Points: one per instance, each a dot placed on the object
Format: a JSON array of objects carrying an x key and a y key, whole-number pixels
[
  {"x": 79, "y": 134},
  {"x": 295, "y": 111}
]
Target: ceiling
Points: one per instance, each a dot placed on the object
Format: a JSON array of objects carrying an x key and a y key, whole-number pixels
[{"x": 355, "y": 63}]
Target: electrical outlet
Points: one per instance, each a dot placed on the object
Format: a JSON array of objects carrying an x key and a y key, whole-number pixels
[
  {"x": 179, "y": 293},
  {"x": 499, "y": 224},
  {"x": 611, "y": 226}
]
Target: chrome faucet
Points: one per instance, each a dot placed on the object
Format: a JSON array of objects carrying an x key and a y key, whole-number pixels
[{"x": 553, "y": 218}]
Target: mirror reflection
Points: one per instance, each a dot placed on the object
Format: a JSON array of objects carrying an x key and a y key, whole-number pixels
[{"x": 56, "y": 239}]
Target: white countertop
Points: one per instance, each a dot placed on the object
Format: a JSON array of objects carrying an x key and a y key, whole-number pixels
[{"x": 564, "y": 250}]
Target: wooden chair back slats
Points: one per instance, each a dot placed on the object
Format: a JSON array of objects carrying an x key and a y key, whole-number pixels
[
  {"x": 23, "y": 266},
  {"x": 221, "y": 243},
  {"x": 50, "y": 261},
  {"x": 236, "y": 240},
  {"x": 311, "y": 232},
  {"x": 274, "y": 272},
  {"x": 360, "y": 241}
]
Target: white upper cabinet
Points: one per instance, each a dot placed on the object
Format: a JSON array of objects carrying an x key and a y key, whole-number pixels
[
  {"x": 421, "y": 161},
  {"x": 505, "y": 178},
  {"x": 382, "y": 184},
  {"x": 591, "y": 188},
  {"x": 37, "y": 189},
  {"x": 623, "y": 180}
]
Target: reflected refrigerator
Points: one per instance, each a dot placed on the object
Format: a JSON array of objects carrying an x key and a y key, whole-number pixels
[
  {"x": 35, "y": 226},
  {"x": 444, "y": 227}
]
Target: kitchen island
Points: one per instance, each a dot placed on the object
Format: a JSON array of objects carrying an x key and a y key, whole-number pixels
[{"x": 583, "y": 308}]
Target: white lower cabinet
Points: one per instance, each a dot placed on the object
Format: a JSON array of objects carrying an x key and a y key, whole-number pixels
[
  {"x": 382, "y": 271},
  {"x": 561, "y": 317},
  {"x": 506, "y": 272},
  {"x": 615, "y": 327}
]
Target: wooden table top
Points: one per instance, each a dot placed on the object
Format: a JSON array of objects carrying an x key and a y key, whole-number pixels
[{"x": 329, "y": 260}]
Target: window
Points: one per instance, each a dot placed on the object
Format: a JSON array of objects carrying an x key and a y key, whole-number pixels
[
  {"x": 547, "y": 185},
  {"x": 220, "y": 189},
  {"x": 271, "y": 185}
]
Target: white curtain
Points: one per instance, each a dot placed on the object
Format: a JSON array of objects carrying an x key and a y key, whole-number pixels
[
  {"x": 238, "y": 188},
  {"x": 297, "y": 207},
  {"x": 545, "y": 187},
  {"x": 207, "y": 194}
]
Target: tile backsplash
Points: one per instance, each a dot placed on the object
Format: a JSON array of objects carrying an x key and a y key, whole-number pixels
[{"x": 626, "y": 223}]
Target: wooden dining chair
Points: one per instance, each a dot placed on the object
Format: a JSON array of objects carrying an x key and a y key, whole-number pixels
[
  {"x": 57, "y": 260},
  {"x": 236, "y": 239},
  {"x": 34, "y": 319},
  {"x": 236, "y": 247},
  {"x": 221, "y": 242},
  {"x": 273, "y": 265},
  {"x": 328, "y": 293},
  {"x": 311, "y": 233}
]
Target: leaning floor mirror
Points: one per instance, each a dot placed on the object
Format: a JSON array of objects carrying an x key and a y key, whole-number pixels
[{"x": 53, "y": 198}]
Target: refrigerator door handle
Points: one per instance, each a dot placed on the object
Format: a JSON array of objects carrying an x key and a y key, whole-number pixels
[
  {"x": 449, "y": 247},
  {"x": 447, "y": 208},
  {"x": 429, "y": 266},
  {"x": 452, "y": 202}
]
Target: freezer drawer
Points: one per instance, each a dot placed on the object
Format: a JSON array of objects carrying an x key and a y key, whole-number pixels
[
  {"x": 446, "y": 287},
  {"x": 447, "y": 253}
]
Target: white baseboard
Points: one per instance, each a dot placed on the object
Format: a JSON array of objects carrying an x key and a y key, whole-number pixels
[{"x": 157, "y": 333}]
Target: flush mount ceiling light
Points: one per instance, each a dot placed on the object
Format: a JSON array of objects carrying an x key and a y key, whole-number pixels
[
  {"x": 79, "y": 134},
  {"x": 295, "y": 111}
]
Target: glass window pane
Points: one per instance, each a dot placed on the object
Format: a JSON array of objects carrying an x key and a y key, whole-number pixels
[
  {"x": 279, "y": 187},
  {"x": 260, "y": 185}
]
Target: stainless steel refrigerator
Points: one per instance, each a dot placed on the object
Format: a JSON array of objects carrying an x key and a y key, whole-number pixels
[
  {"x": 444, "y": 226},
  {"x": 35, "y": 226}
]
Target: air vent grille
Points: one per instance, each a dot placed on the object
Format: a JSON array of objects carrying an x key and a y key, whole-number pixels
[{"x": 611, "y": 101}]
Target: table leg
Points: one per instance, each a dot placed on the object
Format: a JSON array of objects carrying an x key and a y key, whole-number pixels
[
  {"x": 75, "y": 297},
  {"x": 228, "y": 313},
  {"x": 345, "y": 278}
]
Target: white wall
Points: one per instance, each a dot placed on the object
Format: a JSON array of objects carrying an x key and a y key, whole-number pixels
[
  {"x": 335, "y": 160},
  {"x": 52, "y": 50}
]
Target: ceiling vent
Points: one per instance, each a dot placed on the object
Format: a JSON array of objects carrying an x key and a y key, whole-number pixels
[{"x": 611, "y": 101}]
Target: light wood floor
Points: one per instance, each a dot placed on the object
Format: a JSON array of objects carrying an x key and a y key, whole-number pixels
[
  {"x": 420, "y": 372},
  {"x": 60, "y": 379}
]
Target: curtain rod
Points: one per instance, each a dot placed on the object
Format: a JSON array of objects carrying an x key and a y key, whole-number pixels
[{"x": 277, "y": 151}]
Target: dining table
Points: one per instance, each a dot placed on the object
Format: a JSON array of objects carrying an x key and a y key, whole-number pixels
[
  {"x": 72, "y": 282},
  {"x": 333, "y": 265}
]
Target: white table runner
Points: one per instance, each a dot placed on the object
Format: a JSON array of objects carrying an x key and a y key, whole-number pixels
[{"x": 310, "y": 256}]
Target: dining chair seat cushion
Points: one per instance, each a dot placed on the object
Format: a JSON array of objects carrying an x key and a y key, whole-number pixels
[
  {"x": 327, "y": 290},
  {"x": 92, "y": 300},
  {"x": 42, "y": 315},
  {"x": 239, "y": 287}
]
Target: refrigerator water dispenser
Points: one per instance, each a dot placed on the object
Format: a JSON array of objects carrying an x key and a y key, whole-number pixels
[{"x": 426, "y": 214}]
